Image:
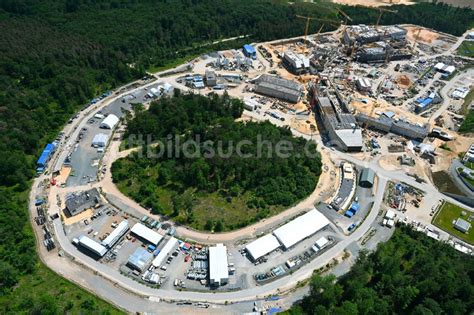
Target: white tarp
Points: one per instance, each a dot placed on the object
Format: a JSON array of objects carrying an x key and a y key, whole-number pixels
[
  {"x": 300, "y": 228},
  {"x": 262, "y": 246}
]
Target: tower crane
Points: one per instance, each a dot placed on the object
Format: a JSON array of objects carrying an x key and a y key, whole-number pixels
[
  {"x": 381, "y": 12},
  {"x": 308, "y": 21},
  {"x": 346, "y": 18}
]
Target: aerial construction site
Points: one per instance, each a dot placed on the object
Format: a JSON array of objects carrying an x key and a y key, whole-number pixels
[{"x": 383, "y": 103}]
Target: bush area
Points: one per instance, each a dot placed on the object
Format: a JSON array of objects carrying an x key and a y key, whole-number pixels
[
  {"x": 466, "y": 48},
  {"x": 214, "y": 176},
  {"x": 55, "y": 55},
  {"x": 445, "y": 217},
  {"x": 410, "y": 274},
  {"x": 63, "y": 297},
  {"x": 468, "y": 123}
]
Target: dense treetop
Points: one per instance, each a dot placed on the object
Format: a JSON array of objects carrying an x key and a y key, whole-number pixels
[{"x": 222, "y": 163}]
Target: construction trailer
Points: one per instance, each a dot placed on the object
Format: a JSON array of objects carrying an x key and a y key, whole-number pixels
[
  {"x": 45, "y": 156},
  {"x": 249, "y": 51}
]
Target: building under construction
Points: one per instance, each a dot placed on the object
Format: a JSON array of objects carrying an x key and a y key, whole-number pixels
[
  {"x": 283, "y": 89},
  {"x": 381, "y": 52},
  {"x": 340, "y": 126},
  {"x": 375, "y": 45},
  {"x": 295, "y": 63},
  {"x": 399, "y": 127},
  {"x": 364, "y": 34}
]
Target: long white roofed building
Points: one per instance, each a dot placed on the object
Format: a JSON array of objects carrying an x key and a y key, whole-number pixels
[
  {"x": 92, "y": 245},
  {"x": 146, "y": 234},
  {"x": 218, "y": 265},
  {"x": 116, "y": 234},
  {"x": 300, "y": 228},
  {"x": 172, "y": 242},
  {"x": 262, "y": 246}
]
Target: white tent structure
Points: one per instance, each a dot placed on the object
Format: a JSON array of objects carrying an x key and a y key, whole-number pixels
[
  {"x": 262, "y": 246},
  {"x": 100, "y": 140},
  {"x": 300, "y": 228},
  {"x": 218, "y": 265},
  {"x": 146, "y": 234},
  {"x": 172, "y": 242},
  {"x": 109, "y": 122},
  {"x": 168, "y": 88}
]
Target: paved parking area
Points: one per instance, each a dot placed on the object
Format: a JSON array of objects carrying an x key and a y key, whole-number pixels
[{"x": 84, "y": 158}]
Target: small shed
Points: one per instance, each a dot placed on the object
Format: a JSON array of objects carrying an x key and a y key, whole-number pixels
[
  {"x": 100, "y": 140},
  {"x": 367, "y": 178},
  {"x": 462, "y": 225}
]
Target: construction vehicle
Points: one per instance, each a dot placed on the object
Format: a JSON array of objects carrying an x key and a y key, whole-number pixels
[{"x": 381, "y": 12}]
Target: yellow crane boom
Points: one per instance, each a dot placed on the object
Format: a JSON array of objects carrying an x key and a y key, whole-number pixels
[
  {"x": 381, "y": 12},
  {"x": 310, "y": 18}
]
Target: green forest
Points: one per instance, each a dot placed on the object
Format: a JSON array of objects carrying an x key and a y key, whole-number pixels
[
  {"x": 410, "y": 274},
  {"x": 56, "y": 55},
  {"x": 238, "y": 184}
]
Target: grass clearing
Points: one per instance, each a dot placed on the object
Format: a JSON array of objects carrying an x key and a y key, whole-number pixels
[
  {"x": 466, "y": 49},
  {"x": 445, "y": 217},
  {"x": 44, "y": 292}
]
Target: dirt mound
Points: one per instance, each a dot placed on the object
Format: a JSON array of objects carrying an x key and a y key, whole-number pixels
[{"x": 403, "y": 81}]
